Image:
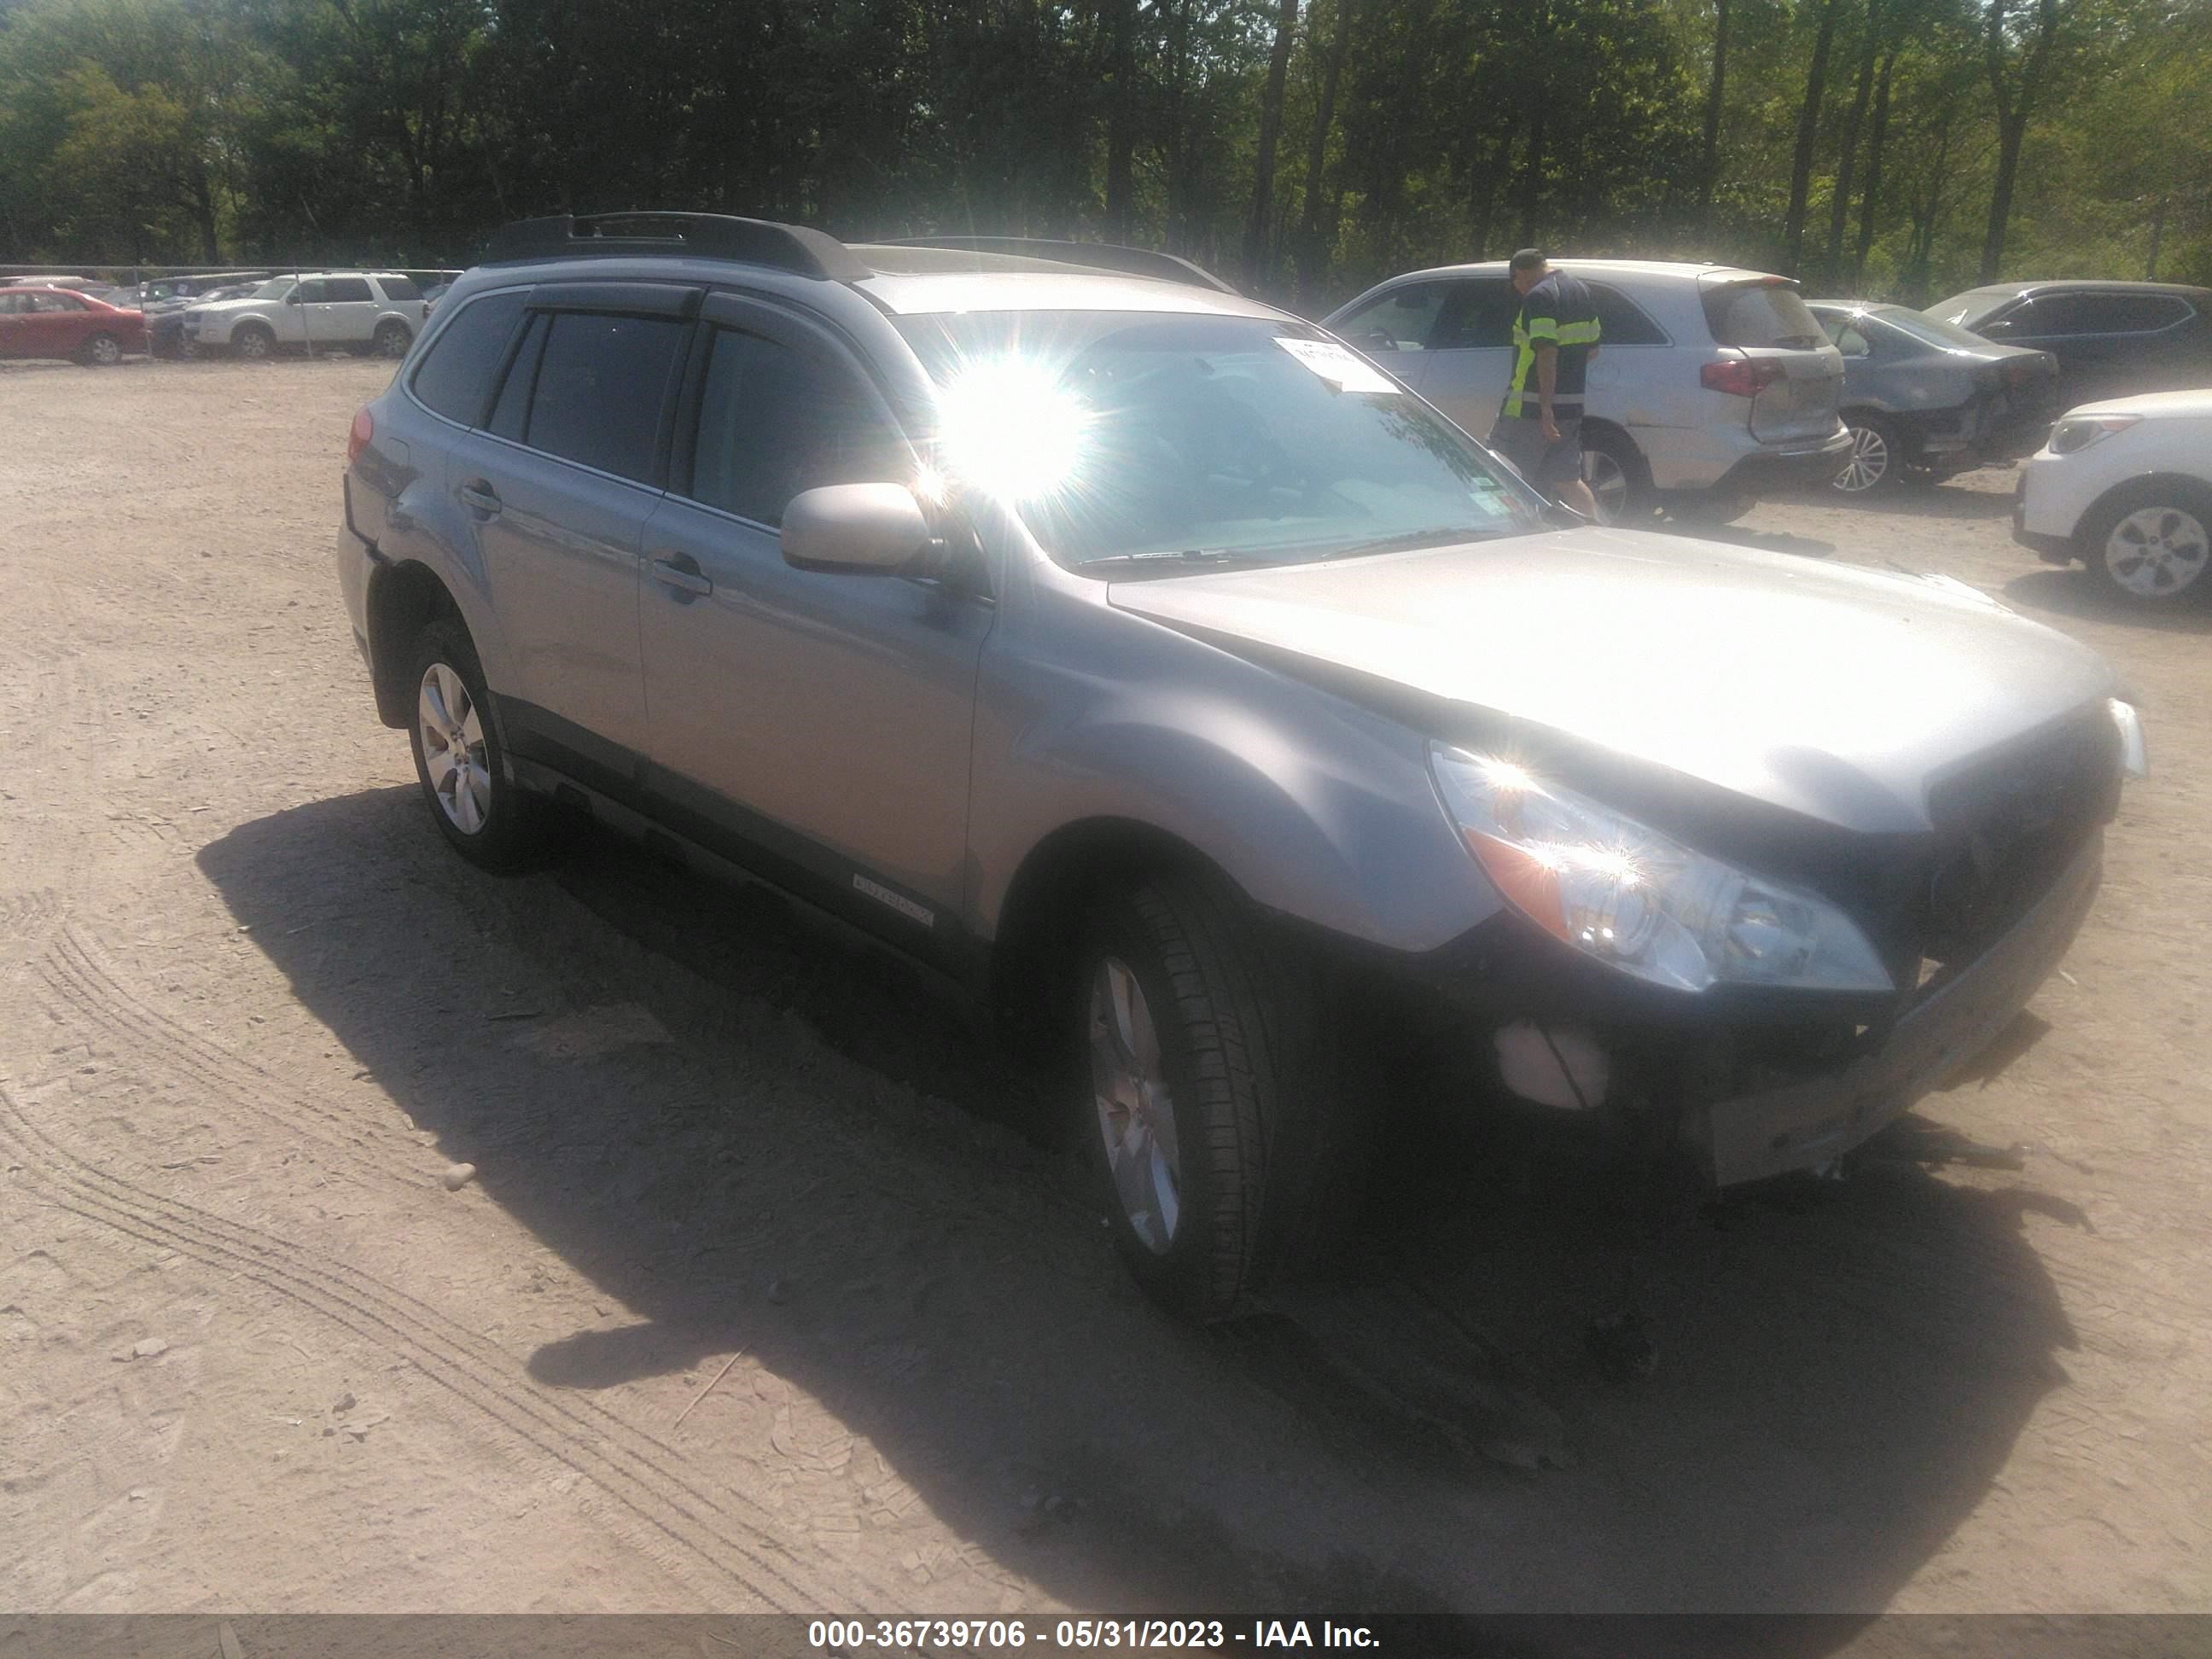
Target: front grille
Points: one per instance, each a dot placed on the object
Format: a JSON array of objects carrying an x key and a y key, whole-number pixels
[{"x": 2007, "y": 828}]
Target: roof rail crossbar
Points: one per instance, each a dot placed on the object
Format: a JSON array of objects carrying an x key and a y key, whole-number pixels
[
  {"x": 1097, "y": 256},
  {"x": 713, "y": 235}
]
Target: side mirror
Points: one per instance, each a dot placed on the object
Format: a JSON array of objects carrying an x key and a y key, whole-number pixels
[
  {"x": 869, "y": 529},
  {"x": 292, "y": 298}
]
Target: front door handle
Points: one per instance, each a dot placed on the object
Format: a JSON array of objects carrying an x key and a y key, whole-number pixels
[
  {"x": 680, "y": 572},
  {"x": 480, "y": 497}
]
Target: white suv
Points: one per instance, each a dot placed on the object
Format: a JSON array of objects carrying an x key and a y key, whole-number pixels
[
  {"x": 360, "y": 310},
  {"x": 1711, "y": 385},
  {"x": 2125, "y": 486}
]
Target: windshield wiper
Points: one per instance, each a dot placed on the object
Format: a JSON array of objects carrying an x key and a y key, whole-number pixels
[
  {"x": 1434, "y": 536},
  {"x": 1166, "y": 561}
]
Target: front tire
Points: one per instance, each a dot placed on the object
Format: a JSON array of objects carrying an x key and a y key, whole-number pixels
[
  {"x": 482, "y": 814},
  {"x": 102, "y": 351},
  {"x": 2152, "y": 543},
  {"x": 255, "y": 342},
  {"x": 1217, "y": 1142},
  {"x": 1877, "y": 464}
]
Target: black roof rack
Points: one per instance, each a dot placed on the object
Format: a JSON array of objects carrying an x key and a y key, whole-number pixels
[
  {"x": 1097, "y": 256},
  {"x": 714, "y": 235}
]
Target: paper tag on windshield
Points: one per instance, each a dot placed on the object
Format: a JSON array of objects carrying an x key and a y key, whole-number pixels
[{"x": 1337, "y": 364}]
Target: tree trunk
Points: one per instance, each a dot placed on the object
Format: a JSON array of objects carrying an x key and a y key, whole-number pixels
[
  {"x": 1709, "y": 173},
  {"x": 1271, "y": 128},
  {"x": 2157, "y": 235},
  {"x": 1847, "y": 160},
  {"x": 1872, "y": 194},
  {"x": 2012, "y": 132},
  {"x": 1312, "y": 253},
  {"x": 1808, "y": 119},
  {"x": 1532, "y": 174},
  {"x": 1121, "y": 124}
]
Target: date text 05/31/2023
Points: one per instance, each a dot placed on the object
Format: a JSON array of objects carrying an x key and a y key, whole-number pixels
[{"x": 982, "y": 1634}]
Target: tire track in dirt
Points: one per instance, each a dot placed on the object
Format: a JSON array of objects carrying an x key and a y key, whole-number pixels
[
  {"x": 87, "y": 993},
  {"x": 90, "y": 997},
  {"x": 686, "y": 1530}
]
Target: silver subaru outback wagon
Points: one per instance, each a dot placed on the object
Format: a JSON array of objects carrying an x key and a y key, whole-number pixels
[{"x": 1149, "y": 664}]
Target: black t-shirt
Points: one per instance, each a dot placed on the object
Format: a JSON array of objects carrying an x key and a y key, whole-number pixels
[{"x": 1557, "y": 311}]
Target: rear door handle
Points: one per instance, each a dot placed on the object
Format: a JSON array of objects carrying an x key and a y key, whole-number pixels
[
  {"x": 680, "y": 572},
  {"x": 482, "y": 497}
]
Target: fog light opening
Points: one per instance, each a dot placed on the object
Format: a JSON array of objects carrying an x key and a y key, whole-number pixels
[{"x": 1558, "y": 1066}]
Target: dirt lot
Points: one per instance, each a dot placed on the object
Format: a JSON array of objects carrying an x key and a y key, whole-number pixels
[{"x": 255, "y": 1355}]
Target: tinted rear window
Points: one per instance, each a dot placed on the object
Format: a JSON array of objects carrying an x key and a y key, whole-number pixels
[
  {"x": 1929, "y": 331},
  {"x": 1620, "y": 320},
  {"x": 602, "y": 385},
  {"x": 456, "y": 375},
  {"x": 398, "y": 288},
  {"x": 1973, "y": 307},
  {"x": 1762, "y": 314},
  {"x": 347, "y": 290}
]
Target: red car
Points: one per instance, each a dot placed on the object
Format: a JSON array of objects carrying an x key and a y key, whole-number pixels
[{"x": 52, "y": 322}]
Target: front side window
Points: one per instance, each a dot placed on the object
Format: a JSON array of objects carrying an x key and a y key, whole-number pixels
[
  {"x": 775, "y": 421},
  {"x": 347, "y": 290},
  {"x": 456, "y": 375},
  {"x": 1478, "y": 313},
  {"x": 276, "y": 288},
  {"x": 314, "y": 292},
  {"x": 602, "y": 385},
  {"x": 1400, "y": 320},
  {"x": 1161, "y": 444}
]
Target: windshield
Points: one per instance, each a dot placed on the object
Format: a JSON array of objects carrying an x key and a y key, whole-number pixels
[
  {"x": 1929, "y": 331},
  {"x": 1970, "y": 309},
  {"x": 1163, "y": 443},
  {"x": 275, "y": 288}
]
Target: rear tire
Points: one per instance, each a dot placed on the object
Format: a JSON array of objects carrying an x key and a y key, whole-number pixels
[
  {"x": 1614, "y": 470},
  {"x": 255, "y": 342},
  {"x": 392, "y": 338},
  {"x": 2150, "y": 544},
  {"x": 1217, "y": 1139},
  {"x": 458, "y": 760},
  {"x": 1877, "y": 463}
]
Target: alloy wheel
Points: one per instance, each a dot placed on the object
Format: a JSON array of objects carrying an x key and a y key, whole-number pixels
[
  {"x": 453, "y": 748},
  {"x": 2157, "y": 551},
  {"x": 1869, "y": 464},
  {"x": 1136, "y": 1112},
  {"x": 1607, "y": 483},
  {"x": 392, "y": 341},
  {"x": 105, "y": 350}
]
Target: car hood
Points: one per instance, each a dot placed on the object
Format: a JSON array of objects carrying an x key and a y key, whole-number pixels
[
  {"x": 2154, "y": 405},
  {"x": 1835, "y": 691}
]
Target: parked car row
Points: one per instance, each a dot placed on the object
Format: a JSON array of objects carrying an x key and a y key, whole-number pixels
[
  {"x": 362, "y": 312},
  {"x": 1713, "y": 386}
]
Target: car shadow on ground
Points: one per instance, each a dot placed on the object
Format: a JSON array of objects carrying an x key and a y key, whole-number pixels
[
  {"x": 1769, "y": 541},
  {"x": 2075, "y": 594},
  {"x": 791, "y": 1152},
  {"x": 1917, "y": 500}
]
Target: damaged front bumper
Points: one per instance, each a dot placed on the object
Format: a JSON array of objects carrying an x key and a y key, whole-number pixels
[{"x": 1804, "y": 1124}]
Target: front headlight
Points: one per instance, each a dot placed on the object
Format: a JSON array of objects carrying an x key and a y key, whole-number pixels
[
  {"x": 1638, "y": 901},
  {"x": 2078, "y": 432}
]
